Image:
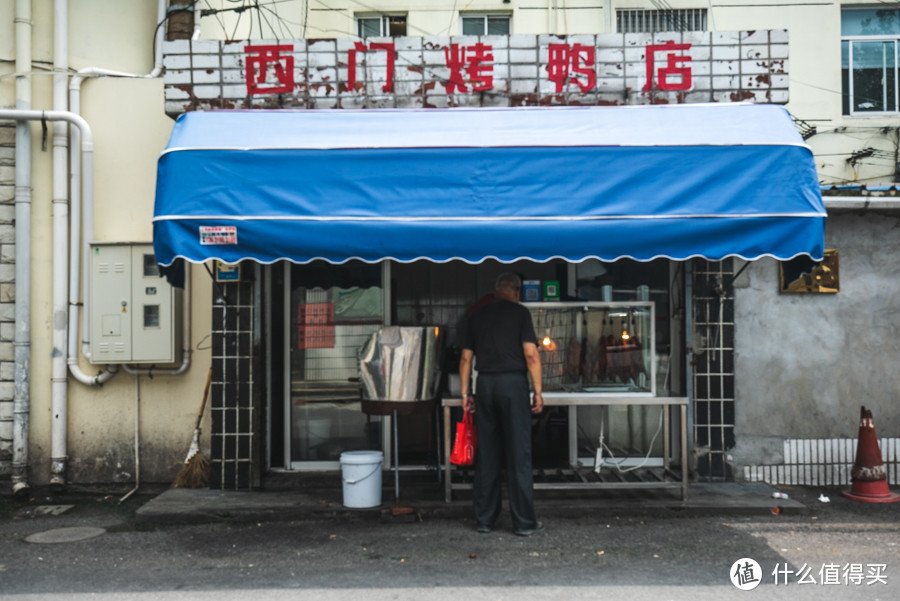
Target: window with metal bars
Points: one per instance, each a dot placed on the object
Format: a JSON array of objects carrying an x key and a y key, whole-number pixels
[
  {"x": 713, "y": 367},
  {"x": 642, "y": 20}
]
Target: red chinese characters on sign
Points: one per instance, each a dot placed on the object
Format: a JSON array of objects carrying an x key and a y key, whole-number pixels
[
  {"x": 565, "y": 62},
  {"x": 270, "y": 67},
  {"x": 265, "y": 60},
  {"x": 672, "y": 68},
  {"x": 358, "y": 48},
  {"x": 477, "y": 60}
]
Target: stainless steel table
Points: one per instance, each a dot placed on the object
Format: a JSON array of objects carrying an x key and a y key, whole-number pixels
[{"x": 573, "y": 401}]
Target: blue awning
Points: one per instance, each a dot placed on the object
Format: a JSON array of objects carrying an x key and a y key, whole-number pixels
[{"x": 676, "y": 181}]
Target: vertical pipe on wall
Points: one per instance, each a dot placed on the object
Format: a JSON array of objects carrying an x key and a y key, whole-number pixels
[
  {"x": 162, "y": 12},
  {"x": 60, "y": 203},
  {"x": 137, "y": 439},
  {"x": 22, "y": 343}
]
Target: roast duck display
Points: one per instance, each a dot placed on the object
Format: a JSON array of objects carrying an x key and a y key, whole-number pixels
[
  {"x": 618, "y": 359},
  {"x": 613, "y": 358}
]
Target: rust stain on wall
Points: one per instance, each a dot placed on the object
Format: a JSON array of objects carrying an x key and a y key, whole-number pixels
[{"x": 741, "y": 95}]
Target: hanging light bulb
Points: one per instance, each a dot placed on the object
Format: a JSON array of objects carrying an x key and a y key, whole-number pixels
[
  {"x": 625, "y": 334},
  {"x": 547, "y": 343}
]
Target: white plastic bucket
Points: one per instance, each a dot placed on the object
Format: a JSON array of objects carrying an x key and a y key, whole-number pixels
[{"x": 361, "y": 473}]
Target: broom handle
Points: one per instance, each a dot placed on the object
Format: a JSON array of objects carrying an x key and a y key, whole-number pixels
[{"x": 205, "y": 396}]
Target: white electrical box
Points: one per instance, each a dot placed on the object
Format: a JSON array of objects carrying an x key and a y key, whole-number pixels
[{"x": 135, "y": 313}]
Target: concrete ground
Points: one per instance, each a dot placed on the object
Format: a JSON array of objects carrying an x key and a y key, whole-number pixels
[
  {"x": 297, "y": 541},
  {"x": 320, "y": 499}
]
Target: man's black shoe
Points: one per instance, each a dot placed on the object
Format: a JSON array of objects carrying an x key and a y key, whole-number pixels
[
  {"x": 482, "y": 529},
  {"x": 529, "y": 531}
]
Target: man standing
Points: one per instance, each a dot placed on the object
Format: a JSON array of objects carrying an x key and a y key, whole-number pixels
[{"x": 501, "y": 335}]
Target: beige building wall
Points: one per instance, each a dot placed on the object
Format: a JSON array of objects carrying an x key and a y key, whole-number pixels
[{"x": 130, "y": 130}]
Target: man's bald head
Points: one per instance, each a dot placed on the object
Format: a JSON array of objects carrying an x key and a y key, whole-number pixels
[{"x": 507, "y": 286}]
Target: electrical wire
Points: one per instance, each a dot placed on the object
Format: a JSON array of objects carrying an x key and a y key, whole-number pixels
[
  {"x": 453, "y": 17},
  {"x": 215, "y": 13},
  {"x": 240, "y": 13},
  {"x": 617, "y": 464},
  {"x": 261, "y": 18},
  {"x": 285, "y": 31}
]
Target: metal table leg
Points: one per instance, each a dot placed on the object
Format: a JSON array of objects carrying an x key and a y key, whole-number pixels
[
  {"x": 448, "y": 485},
  {"x": 396, "y": 459}
]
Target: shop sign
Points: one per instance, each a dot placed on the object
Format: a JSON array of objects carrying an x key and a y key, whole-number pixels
[
  {"x": 218, "y": 234},
  {"x": 520, "y": 70},
  {"x": 315, "y": 326}
]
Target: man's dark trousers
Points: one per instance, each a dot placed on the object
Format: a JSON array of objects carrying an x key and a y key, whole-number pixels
[{"x": 503, "y": 424}]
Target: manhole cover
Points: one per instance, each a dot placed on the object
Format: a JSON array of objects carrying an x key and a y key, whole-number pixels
[{"x": 65, "y": 535}]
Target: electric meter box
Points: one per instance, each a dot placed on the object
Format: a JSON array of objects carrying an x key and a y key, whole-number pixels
[{"x": 135, "y": 313}]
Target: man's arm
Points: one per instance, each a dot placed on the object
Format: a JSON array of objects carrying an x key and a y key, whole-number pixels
[
  {"x": 533, "y": 361},
  {"x": 465, "y": 373}
]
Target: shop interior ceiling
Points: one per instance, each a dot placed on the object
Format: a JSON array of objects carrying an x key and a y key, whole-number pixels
[{"x": 642, "y": 182}]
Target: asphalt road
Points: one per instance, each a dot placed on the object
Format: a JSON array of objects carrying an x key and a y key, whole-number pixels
[{"x": 837, "y": 550}]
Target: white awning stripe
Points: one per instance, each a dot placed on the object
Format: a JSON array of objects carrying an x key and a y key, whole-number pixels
[{"x": 497, "y": 219}]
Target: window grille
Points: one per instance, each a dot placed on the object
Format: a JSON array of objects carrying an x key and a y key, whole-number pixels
[
  {"x": 713, "y": 370},
  {"x": 639, "y": 20},
  {"x": 234, "y": 446}
]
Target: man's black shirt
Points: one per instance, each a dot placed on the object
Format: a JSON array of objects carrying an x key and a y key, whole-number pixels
[{"x": 496, "y": 333}]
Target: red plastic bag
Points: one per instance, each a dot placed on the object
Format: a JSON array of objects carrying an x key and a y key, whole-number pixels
[{"x": 465, "y": 442}]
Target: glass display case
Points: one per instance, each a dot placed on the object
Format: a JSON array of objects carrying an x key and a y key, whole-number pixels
[{"x": 595, "y": 348}]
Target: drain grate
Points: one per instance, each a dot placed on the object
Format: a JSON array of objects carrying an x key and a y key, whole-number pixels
[
  {"x": 43, "y": 510},
  {"x": 52, "y": 509}
]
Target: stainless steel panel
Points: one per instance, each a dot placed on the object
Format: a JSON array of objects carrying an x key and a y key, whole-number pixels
[{"x": 400, "y": 363}]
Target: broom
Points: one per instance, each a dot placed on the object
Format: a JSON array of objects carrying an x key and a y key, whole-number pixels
[{"x": 194, "y": 473}]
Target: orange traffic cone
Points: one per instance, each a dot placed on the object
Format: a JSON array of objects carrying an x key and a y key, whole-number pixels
[{"x": 868, "y": 475}]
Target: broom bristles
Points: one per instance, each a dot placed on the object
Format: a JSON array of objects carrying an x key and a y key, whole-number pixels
[{"x": 194, "y": 473}]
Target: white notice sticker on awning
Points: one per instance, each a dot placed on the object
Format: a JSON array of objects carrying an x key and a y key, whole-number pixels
[{"x": 218, "y": 234}]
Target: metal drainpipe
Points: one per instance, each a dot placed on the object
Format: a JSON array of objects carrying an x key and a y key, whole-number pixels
[
  {"x": 65, "y": 337},
  {"x": 22, "y": 344},
  {"x": 22, "y": 406},
  {"x": 60, "y": 203}
]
